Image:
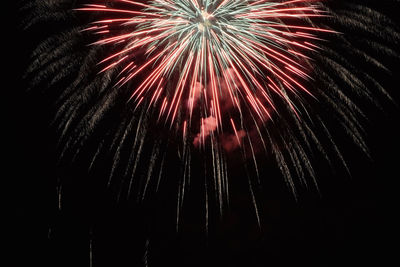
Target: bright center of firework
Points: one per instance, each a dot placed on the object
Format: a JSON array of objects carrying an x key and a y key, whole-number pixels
[{"x": 204, "y": 20}]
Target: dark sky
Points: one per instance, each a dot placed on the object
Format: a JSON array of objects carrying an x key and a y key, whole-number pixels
[{"x": 351, "y": 223}]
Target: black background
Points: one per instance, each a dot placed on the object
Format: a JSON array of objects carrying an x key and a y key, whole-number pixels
[{"x": 350, "y": 224}]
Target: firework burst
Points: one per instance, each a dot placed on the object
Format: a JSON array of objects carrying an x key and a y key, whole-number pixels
[
  {"x": 211, "y": 57},
  {"x": 254, "y": 78},
  {"x": 193, "y": 111}
]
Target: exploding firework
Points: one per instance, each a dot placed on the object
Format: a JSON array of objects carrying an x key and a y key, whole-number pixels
[
  {"x": 187, "y": 113},
  {"x": 210, "y": 55},
  {"x": 242, "y": 80}
]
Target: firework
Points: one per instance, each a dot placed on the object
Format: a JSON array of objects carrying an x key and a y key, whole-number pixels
[
  {"x": 209, "y": 87},
  {"x": 184, "y": 116},
  {"x": 210, "y": 56}
]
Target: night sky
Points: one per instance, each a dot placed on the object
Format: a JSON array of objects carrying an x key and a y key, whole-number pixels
[{"x": 350, "y": 222}]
